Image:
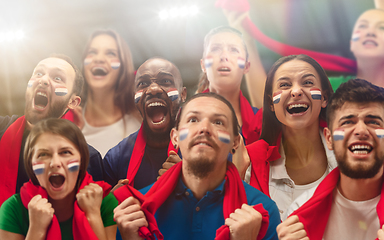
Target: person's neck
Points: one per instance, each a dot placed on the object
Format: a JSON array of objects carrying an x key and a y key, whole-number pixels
[
  {"x": 371, "y": 70},
  {"x": 360, "y": 189},
  {"x": 64, "y": 207},
  {"x": 153, "y": 143},
  {"x": 100, "y": 109},
  {"x": 200, "y": 186},
  {"x": 233, "y": 97},
  {"x": 301, "y": 145}
]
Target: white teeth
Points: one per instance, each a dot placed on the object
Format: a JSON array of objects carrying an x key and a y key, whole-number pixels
[
  {"x": 360, "y": 147},
  {"x": 224, "y": 68},
  {"x": 203, "y": 144},
  {"x": 156, "y": 104},
  {"x": 41, "y": 94},
  {"x": 360, "y": 152},
  {"x": 39, "y": 107},
  {"x": 157, "y": 123},
  {"x": 99, "y": 68},
  {"x": 297, "y": 105}
]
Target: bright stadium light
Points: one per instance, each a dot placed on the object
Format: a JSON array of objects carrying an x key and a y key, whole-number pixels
[
  {"x": 10, "y": 36},
  {"x": 178, "y": 12}
]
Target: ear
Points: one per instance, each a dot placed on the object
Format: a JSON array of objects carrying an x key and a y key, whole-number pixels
[
  {"x": 272, "y": 106},
  {"x": 247, "y": 67},
  {"x": 183, "y": 94},
  {"x": 174, "y": 136},
  {"x": 202, "y": 65},
  {"x": 74, "y": 102},
  {"x": 236, "y": 141},
  {"x": 328, "y": 137},
  {"x": 324, "y": 101}
]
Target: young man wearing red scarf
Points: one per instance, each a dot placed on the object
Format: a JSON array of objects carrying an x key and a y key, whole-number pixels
[
  {"x": 54, "y": 88},
  {"x": 348, "y": 204},
  {"x": 139, "y": 157},
  {"x": 203, "y": 195}
]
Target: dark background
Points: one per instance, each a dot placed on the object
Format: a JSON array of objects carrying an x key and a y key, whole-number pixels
[{"x": 64, "y": 27}]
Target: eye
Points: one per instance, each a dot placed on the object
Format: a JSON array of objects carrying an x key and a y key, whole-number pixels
[
  {"x": 39, "y": 74},
  {"x": 66, "y": 152},
  {"x": 42, "y": 154},
  {"x": 308, "y": 82},
  {"x": 58, "y": 79},
  {"x": 192, "y": 120},
  {"x": 165, "y": 81},
  {"x": 346, "y": 122},
  {"x": 234, "y": 50},
  {"x": 112, "y": 54},
  {"x": 284, "y": 84},
  {"x": 142, "y": 84},
  {"x": 91, "y": 52},
  {"x": 362, "y": 26},
  {"x": 215, "y": 49},
  {"x": 219, "y": 122},
  {"x": 373, "y": 122},
  {"x": 381, "y": 27}
]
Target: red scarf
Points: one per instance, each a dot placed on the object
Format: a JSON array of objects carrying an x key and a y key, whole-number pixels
[
  {"x": 315, "y": 212},
  {"x": 234, "y": 197},
  {"x": 10, "y": 146},
  {"x": 80, "y": 225},
  {"x": 327, "y": 61},
  {"x": 137, "y": 155}
]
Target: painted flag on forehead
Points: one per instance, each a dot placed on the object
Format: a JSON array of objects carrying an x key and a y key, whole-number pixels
[
  {"x": 223, "y": 136},
  {"x": 173, "y": 94},
  {"x": 183, "y": 133},
  {"x": 87, "y": 60},
  {"x": 315, "y": 93},
  {"x": 241, "y": 62},
  {"x": 276, "y": 97},
  {"x": 338, "y": 134},
  {"x": 138, "y": 96},
  {"x": 61, "y": 91},
  {"x": 115, "y": 64},
  {"x": 379, "y": 132},
  {"x": 38, "y": 168},
  {"x": 73, "y": 165},
  {"x": 208, "y": 62}
]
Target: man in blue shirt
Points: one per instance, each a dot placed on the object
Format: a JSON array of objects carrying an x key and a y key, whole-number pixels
[{"x": 206, "y": 131}]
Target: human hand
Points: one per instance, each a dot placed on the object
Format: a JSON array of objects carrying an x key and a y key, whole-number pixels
[
  {"x": 40, "y": 214},
  {"x": 244, "y": 223},
  {"x": 380, "y": 233},
  {"x": 235, "y": 19},
  {"x": 171, "y": 160},
  {"x": 129, "y": 218},
  {"x": 291, "y": 229},
  {"x": 89, "y": 199},
  {"x": 119, "y": 184},
  {"x": 241, "y": 159}
]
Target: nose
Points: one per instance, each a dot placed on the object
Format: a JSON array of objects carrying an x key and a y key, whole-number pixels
[
  {"x": 44, "y": 80},
  {"x": 224, "y": 56},
  {"x": 55, "y": 162},
  {"x": 371, "y": 31},
  {"x": 361, "y": 130},
  {"x": 296, "y": 91},
  {"x": 205, "y": 127},
  {"x": 99, "y": 57},
  {"x": 154, "y": 89}
]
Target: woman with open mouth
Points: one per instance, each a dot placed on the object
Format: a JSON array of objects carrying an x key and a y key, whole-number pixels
[
  {"x": 61, "y": 201},
  {"x": 291, "y": 156}
]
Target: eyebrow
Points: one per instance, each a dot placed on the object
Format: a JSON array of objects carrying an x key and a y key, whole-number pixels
[
  {"x": 215, "y": 114},
  {"x": 374, "y": 117},
  {"x": 45, "y": 66},
  {"x": 347, "y": 117}
]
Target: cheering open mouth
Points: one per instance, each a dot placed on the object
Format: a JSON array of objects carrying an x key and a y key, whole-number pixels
[
  {"x": 297, "y": 108},
  {"x": 40, "y": 100}
]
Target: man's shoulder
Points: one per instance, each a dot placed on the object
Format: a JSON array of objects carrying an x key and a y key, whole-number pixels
[
  {"x": 255, "y": 196},
  {"x": 123, "y": 148},
  {"x": 5, "y": 122}
]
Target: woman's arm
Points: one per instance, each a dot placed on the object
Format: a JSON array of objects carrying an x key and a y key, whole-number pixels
[
  {"x": 379, "y": 4},
  {"x": 10, "y": 235}
]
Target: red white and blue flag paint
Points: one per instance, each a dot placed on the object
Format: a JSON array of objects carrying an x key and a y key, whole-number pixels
[
  {"x": 241, "y": 62},
  {"x": 355, "y": 36},
  {"x": 60, "y": 91},
  {"x": 315, "y": 93},
  {"x": 208, "y": 62},
  {"x": 31, "y": 82},
  {"x": 379, "y": 132},
  {"x": 183, "y": 134},
  {"x": 87, "y": 61},
  {"x": 138, "y": 96},
  {"x": 276, "y": 97},
  {"x": 173, "y": 94},
  {"x": 38, "y": 168},
  {"x": 338, "y": 134},
  {"x": 223, "y": 136},
  {"x": 115, "y": 64},
  {"x": 73, "y": 165}
]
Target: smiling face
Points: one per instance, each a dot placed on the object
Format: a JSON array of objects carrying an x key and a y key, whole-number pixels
[
  {"x": 49, "y": 91},
  {"x": 357, "y": 139},
  {"x": 368, "y": 35},
  {"x": 205, "y": 135},
  {"x": 56, "y": 162},
  {"x": 158, "y": 93},
  {"x": 297, "y": 94},
  {"x": 225, "y": 61},
  {"x": 102, "y": 63}
]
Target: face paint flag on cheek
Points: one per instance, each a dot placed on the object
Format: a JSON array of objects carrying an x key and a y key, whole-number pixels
[
  {"x": 223, "y": 136},
  {"x": 73, "y": 165},
  {"x": 61, "y": 91},
  {"x": 173, "y": 94},
  {"x": 338, "y": 134},
  {"x": 115, "y": 64},
  {"x": 208, "y": 62},
  {"x": 30, "y": 83},
  {"x": 87, "y": 61},
  {"x": 183, "y": 134},
  {"x": 138, "y": 96},
  {"x": 315, "y": 93},
  {"x": 241, "y": 62},
  {"x": 276, "y": 97},
  {"x": 379, "y": 132},
  {"x": 355, "y": 36},
  {"x": 38, "y": 168}
]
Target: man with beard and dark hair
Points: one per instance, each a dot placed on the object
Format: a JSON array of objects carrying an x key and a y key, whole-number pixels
[
  {"x": 139, "y": 157},
  {"x": 53, "y": 89},
  {"x": 347, "y": 204},
  {"x": 204, "y": 192}
]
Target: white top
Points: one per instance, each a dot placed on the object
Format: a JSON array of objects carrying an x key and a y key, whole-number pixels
[
  {"x": 352, "y": 220},
  {"x": 282, "y": 189},
  {"x": 106, "y": 137}
]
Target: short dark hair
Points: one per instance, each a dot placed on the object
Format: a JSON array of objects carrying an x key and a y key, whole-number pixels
[
  {"x": 235, "y": 123},
  {"x": 60, "y": 127},
  {"x": 79, "y": 80},
  {"x": 354, "y": 91},
  {"x": 271, "y": 127}
]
